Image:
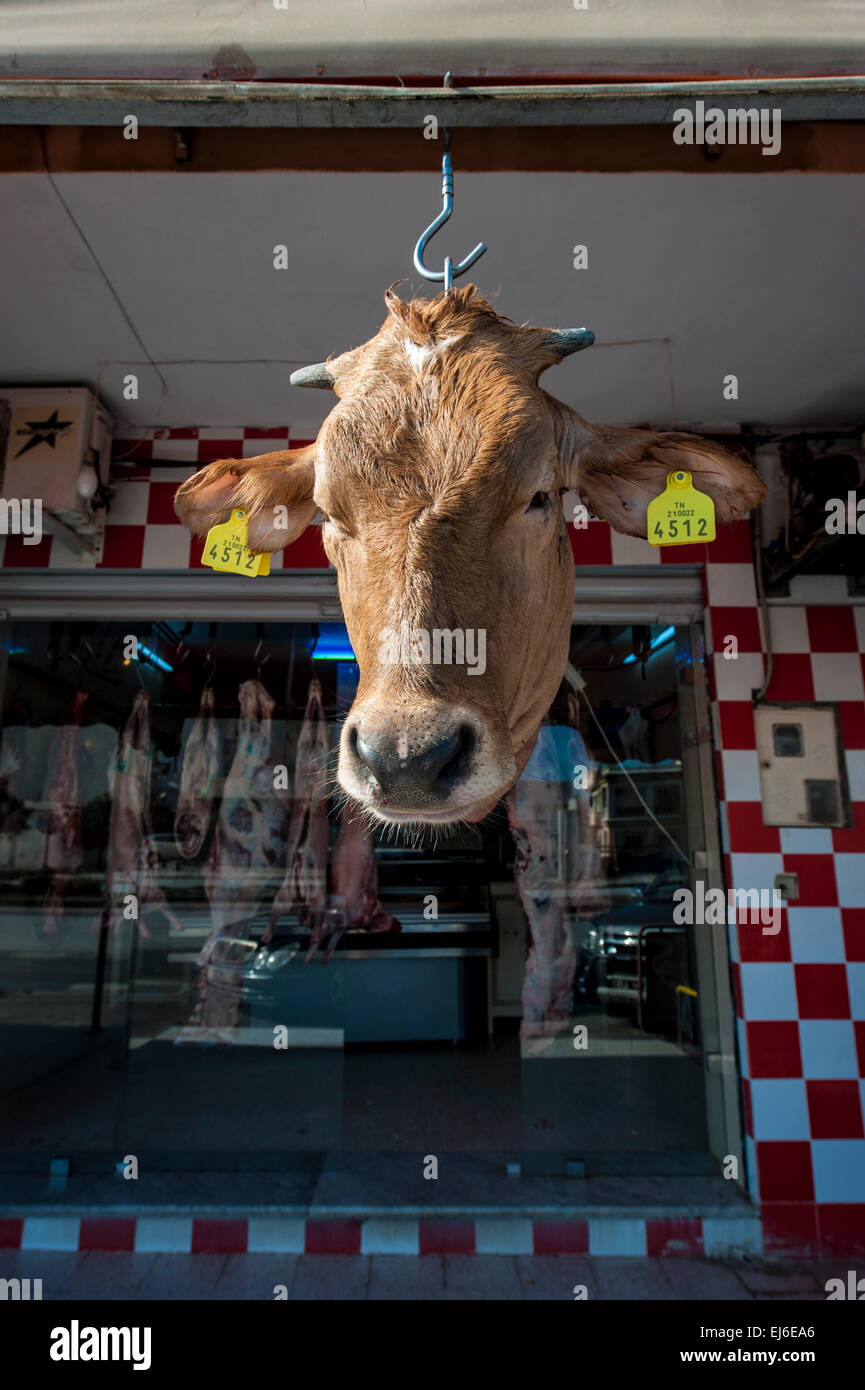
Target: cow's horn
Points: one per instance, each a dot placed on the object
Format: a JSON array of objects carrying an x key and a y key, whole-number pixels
[
  {"x": 317, "y": 375},
  {"x": 564, "y": 341}
]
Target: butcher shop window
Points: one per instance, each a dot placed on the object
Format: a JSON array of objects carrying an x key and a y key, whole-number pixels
[{"x": 209, "y": 961}]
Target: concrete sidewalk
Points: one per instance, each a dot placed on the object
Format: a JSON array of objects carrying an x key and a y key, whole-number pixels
[{"x": 97, "y": 1275}]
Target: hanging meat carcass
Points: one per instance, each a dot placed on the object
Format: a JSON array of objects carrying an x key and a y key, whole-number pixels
[
  {"x": 310, "y": 833},
  {"x": 557, "y": 859},
  {"x": 250, "y": 833},
  {"x": 131, "y": 881},
  {"x": 248, "y": 846},
  {"x": 354, "y": 877},
  {"x": 64, "y": 843},
  {"x": 352, "y": 903},
  {"x": 197, "y": 779},
  {"x": 344, "y": 895},
  {"x": 305, "y": 881}
]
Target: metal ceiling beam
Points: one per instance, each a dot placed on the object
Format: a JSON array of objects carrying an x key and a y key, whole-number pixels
[{"x": 315, "y": 106}]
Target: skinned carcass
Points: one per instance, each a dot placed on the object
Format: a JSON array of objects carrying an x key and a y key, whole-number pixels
[
  {"x": 131, "y": 881},
  {"x": 352, "y": 903},
  {"x": 64, "y": 842},
  {"x": 305, "y": 881},
  {"x": 329, "y": 898},
  {"x": 250, "y": 833},
  {"x": 557, "y": 858},
  {"x": 248, "y": 845},
  {"x": 197, "y": 779}
]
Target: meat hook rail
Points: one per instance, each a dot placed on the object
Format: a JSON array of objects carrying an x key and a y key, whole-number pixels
[{"x": 451, "y": 272}]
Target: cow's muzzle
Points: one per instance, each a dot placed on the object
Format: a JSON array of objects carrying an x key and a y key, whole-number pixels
[{"x": 421, "y": 767}]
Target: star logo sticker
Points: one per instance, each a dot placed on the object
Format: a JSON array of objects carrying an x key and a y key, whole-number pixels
[{"x": 43, "y": 432}]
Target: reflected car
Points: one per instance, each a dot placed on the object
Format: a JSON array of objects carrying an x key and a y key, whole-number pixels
[{"x": 607, "y": 970}]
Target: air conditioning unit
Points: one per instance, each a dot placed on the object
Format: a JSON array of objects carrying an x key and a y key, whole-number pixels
[{"x": 58, "y": 450}]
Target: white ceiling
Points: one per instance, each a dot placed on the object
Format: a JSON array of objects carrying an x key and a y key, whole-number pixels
[{"x": 757, "y": 276}]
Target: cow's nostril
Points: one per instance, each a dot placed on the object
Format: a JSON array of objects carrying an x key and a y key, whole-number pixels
[
  {"x": 457, "y": 765},
  {"x": 376, "y": 760},
  {"x": 404, "y": 771}
]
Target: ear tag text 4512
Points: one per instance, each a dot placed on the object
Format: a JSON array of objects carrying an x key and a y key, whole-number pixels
[
  {"x": 680, "y": 515},
  {"x": 226, "y": 549}
]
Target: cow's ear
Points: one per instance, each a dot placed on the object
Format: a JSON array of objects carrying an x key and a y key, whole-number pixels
[
  {"x": 617, "y": 472},
  {"x": 274, "y": 490}
]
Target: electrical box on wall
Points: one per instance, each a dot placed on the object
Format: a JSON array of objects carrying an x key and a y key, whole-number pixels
[
  {"x": 58, "y": 450},
  {"x": 801, "y": 781}
]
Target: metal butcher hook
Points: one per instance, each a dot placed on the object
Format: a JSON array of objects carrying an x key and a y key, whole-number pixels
[{"x": 451, "y": 272}]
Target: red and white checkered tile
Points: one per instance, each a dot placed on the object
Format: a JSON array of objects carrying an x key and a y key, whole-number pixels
[
  {"x": 142, "y": 531},
  {"x": 800, "y": 991},
  {"x": 713, "y": 1236}
]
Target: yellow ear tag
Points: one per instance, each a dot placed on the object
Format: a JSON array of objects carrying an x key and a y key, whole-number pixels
[
  {"x": 226, "y": 549},
  {"x": 681, "y": 515}
]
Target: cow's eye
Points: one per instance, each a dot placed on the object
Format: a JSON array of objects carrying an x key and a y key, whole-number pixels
[
  {"x": 539, "y": 502},
  {"x": 335, "y": 530}
]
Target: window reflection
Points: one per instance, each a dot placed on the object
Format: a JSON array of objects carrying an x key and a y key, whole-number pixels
[{"x": 179, "y": 883}]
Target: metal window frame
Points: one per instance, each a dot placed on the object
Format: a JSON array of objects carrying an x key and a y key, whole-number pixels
[
  {"x": 602, "y": 593},
  {"x": 721, "y": 1061}
]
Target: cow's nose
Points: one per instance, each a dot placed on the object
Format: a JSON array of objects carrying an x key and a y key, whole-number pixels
[{"x": 415, "y": 771}]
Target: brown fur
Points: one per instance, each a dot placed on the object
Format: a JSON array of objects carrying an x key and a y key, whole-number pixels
[
  {"x": 425, "y": 469},
  {"x": 258, "y": 486}
]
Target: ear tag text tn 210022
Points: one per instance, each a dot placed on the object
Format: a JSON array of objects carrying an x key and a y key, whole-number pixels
[
  {"x": 680, "y": 515},
  {"x": 226, "y": 549}
]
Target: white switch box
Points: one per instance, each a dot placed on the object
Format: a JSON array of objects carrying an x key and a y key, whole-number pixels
[{"x": 800, "y": 773}]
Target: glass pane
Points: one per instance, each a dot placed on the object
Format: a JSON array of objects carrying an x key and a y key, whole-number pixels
[
  {"x": 60, "y": 1055},
  {"x": 193, "y": 977},
  {"x": 824, "y": 805},
  {"x": 787, "y": 740},
  {"x": 611, "y": 1060},
  {"x": 147, "y": 843}
]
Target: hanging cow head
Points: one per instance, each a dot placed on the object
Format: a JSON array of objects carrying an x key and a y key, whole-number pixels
[{"x": 438, "y": 475}]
